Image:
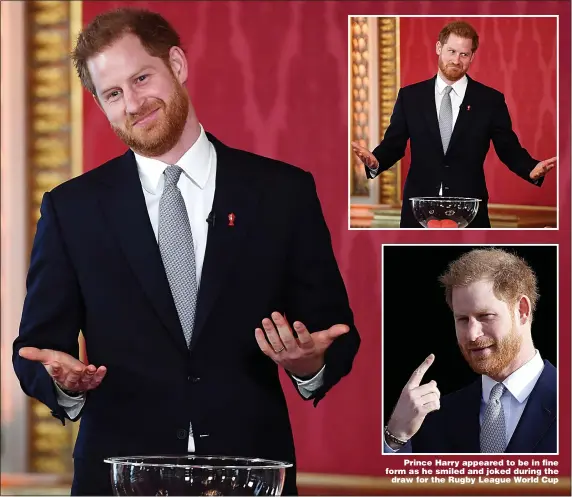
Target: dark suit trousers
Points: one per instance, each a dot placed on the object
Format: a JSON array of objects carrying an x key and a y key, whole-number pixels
[{"x": 91, "y": 477}]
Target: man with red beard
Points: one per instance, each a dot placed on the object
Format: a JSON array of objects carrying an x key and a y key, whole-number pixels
[
  {"x": 450, "y": 121},
  {"x": 512, "y": 407},
  {"x": 170, "y": 260}
]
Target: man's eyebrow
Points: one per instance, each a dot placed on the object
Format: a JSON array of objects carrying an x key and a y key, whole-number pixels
[{"x": 477, "y": 312}]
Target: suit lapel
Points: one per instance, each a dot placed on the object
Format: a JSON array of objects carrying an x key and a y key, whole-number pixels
[
  {"x": 124, "y": 206},
  {"x": 466, "y": 420},
  {"x": 464, "y": 118},
  {"x": 429, "y": 110},
  {"x": 236, "y": 194},
  {"x": 538, "y": 415}
]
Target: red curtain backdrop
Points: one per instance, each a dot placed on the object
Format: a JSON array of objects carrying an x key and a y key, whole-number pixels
[
  {"x": 517, "y": 56},
  {"x": 272, "y": 78}
]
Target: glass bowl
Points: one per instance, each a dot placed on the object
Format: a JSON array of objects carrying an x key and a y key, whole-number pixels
[
  {"x": 444, "y": 212},
  {"x": 196, "y": 475}
]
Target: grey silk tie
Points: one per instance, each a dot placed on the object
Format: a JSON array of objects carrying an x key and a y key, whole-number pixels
[
  {"x": 493, "y": 430},
  {"x": 446, "y": 118},
  {"x": 177, "y": 250}
]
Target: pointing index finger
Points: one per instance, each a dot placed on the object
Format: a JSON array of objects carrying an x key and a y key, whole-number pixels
[{"x": 417, "y": 375}]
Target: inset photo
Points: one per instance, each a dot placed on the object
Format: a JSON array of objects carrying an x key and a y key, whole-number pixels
[
  {"x": 469, "y": 349},
  {"x": 447, "y": 127}
]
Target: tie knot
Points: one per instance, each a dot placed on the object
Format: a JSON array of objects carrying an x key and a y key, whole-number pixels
[
  {"x": 172, "y": 175},
  {"x": 447, "y": 90},
  {"x": 496, "y": 392}
]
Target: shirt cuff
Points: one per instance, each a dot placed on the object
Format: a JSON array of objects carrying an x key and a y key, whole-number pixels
[
  {"x": 308, "y": 387},
  {"x": 72, "y": 405},
  {"x": 406, "y": 449},
  {"x": 373, "y": 170},
  {"x": 387, "y": 449}
]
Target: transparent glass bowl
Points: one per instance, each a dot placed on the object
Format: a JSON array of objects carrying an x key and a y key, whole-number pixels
[
  {"x": 196, "y": 475},
  {"x": 444, "y": 212}
]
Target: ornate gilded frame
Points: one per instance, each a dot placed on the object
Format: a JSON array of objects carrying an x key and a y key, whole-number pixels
[
  {"x": 54, "y": 103},
  {"x": 374, "y": 83},
  {"x": 359, "y": 101},
  {"x": 389, "y": 84}
]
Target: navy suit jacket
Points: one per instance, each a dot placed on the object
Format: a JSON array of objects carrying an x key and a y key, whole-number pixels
[
  {"x": 96, "y": 266},
  {"x": 455, "y": 426},
  {"x": 483, "y": 117}
]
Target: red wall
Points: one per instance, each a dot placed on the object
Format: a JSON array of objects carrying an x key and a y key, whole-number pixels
[
  {"x": 517, "y": 56},
  {"x": 272, "y": 78}
]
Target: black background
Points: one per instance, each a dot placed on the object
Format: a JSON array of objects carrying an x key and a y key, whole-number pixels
[{"x": 417, "y": 320}]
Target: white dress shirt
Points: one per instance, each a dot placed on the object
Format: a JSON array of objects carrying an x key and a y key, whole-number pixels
[
  {"x": 457, "y": 95},
  {"x": 519, "y": 386},
  {"x": 197, "y": 186}
]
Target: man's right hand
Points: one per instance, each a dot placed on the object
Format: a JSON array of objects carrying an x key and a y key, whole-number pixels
[
  {"x": 365, "y": 156},
  {"x": 68, "y": 372},
  {"x": 414, "y": 403}
]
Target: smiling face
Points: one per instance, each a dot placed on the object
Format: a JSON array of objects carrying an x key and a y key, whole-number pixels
[
  {"x": 455, "y": 57},
  {"x": 143, "y": 98},
  {"x": 494, "y": 337}
]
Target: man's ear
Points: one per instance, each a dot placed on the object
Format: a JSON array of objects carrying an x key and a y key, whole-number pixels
[
  {"x": 438, "y": 48},
  {"x": 524, "y": 309},
  {"x": 178, "y": 62}
]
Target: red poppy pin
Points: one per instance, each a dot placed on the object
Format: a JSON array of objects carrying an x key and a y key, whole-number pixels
[{"x": 231, "y": 218}]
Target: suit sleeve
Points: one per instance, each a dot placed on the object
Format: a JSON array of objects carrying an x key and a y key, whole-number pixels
[
  {"x": 507, "y": 145},
  {"x": 316, "y": 292},
  {"x": 392, "y": 147},
  {"x": 53, "y": 311}
]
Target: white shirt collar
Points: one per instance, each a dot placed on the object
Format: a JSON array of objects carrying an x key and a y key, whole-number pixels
[
  {"x": 195, "y": 164},
  {"x": 459, "y": 87},
  {"x": 520, "y": 383}
]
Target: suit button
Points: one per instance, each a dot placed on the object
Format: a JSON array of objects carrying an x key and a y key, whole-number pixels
[
  {"x": 193, "y": 379},
  {"x": 446, "y": 165},
  {"x": 181, "y": 434},
  {"x": 446, "y": 188}
]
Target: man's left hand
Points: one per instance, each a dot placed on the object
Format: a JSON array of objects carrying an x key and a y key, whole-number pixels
[
  {"x": 303, "y": 356},
  {"x": 542, "y": 168}
]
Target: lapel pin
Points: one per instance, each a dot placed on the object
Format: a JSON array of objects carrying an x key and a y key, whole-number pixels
[
  {"x": 468, "y": 107},
  {"x": 231, "y": 218}
]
